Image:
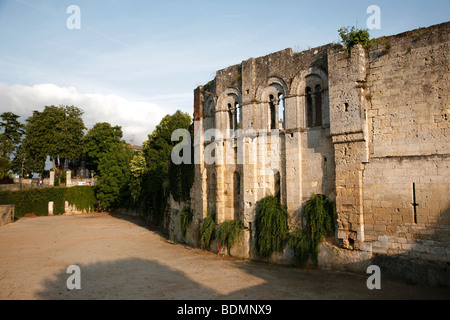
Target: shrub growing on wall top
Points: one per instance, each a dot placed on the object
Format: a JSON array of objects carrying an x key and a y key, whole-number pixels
[{"x": 352, "y": 36}]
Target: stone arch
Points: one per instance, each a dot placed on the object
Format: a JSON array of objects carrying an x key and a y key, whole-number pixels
[
  {"x": 274, "y": 84},
  {"x": 299, "y": 84},
  {"x": 273, "y": 96},
  {"x": 312, "y": 85},
  {"x": 227, "y": 104}
]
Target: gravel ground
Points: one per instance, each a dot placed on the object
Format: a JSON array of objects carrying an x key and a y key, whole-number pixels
[{"x": 121, "y": 259}]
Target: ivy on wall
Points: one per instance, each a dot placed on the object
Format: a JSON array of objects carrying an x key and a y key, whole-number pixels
[
  {"x": 271, "y": 226},
  {"x": 207, "y": 231},
  {"x": 320, "y": 222},
  {"x": 272, "y": 231},
  {"x": 186, "y": 215},
  {"x": 228, "y": 233}
]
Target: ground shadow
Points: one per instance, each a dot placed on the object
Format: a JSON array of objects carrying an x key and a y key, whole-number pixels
[
  {"x": 128, "y": 279},
  {"x": 138, "y": 279},
  {"x": 294, "y": 283},
  {"x": 132, "y": 279}
]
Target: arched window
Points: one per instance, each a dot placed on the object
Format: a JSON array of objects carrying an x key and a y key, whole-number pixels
[
  {"x": 314, "y": 100},
  {"x": 314, "y": 106}
]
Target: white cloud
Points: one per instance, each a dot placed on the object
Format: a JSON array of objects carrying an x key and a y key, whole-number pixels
[{"x": 137, "y": 118}]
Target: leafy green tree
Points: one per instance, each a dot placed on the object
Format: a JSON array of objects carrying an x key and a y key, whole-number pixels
[
  {"x": 181, "y": 176},
  {"x": 11, "y": 131},
  {"x": 138, "y": 167},
  {"x": 11, "y": 134},
  {"x": 56, "y": 132},
  {"x": 352, "y": 36},
  {"x": 113, "y": 175},
  {"x": 4, "y": 167},
  {"x": 98, "y": 141},
  {"x": 25, "y": 163},
  {"x": 157, "y": 152}
]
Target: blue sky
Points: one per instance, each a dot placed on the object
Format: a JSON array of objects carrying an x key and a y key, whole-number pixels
[{"x": 134, "y": 61}]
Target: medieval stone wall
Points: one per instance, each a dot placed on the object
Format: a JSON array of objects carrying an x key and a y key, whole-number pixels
[
  {"x": 406, "y": 182},
  {"x": 368, "y": 128}
]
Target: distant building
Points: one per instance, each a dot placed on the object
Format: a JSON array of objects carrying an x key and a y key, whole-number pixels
[{"x": 135, "y": 147}]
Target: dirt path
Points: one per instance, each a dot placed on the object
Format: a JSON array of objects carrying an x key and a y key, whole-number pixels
[{"x": 119, "y": 259}]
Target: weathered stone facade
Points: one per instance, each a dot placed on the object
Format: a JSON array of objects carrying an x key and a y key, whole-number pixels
[{"x": 369, "y": 129}]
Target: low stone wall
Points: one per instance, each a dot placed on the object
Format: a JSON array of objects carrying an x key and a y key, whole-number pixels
[{"x": 6, "y": 215}]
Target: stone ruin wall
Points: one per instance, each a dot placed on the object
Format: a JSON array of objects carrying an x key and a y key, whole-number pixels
[
  {"x": 398, "y": 146},
  {"x": 409, "y": 146},
  {"x": 383, "y": 137}
]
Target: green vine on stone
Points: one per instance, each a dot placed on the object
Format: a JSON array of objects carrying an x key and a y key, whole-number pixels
[
  {"x": 228, "y": 233},
  {"x": 186, "y": 217},
  {"x": 207, "y": 231},
  {"x": 320, "y": 222},
  {"x": 271, "y": 226}
]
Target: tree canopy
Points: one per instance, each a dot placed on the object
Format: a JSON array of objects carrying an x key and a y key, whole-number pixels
[
  {"x": 98, "y": 141},
  {"x": 56, "y": 132},
  {"x": 157, "y": 151},
  {"x": 114, "y": 175},
  {"x": 11, "y": 132}
]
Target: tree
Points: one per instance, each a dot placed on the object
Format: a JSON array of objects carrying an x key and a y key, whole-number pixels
[
  {"x": 11, "y": 134},
  {"x": 25, "y": 163},
  {"x": 109, "y": 157},
  {"x": 4, "y": 167},
  {"x": 181, "y": 176},
  {"x": 352, "y": 36},
  {"x": 138, "y": 167},
  {"x": 98, "y": 141},
  {"x": 158, "y": 148},
  {"x": 114, "y": 175},
  {"x": 157, "y": 152},
  {"x": 11, "y": 131},
  {"x": 56, "y": 132}
]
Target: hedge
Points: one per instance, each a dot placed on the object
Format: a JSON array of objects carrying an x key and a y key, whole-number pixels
[{"x": 36, "y": 200}]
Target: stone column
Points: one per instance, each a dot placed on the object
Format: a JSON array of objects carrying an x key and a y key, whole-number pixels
[{"x": 313, "y": 109}]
